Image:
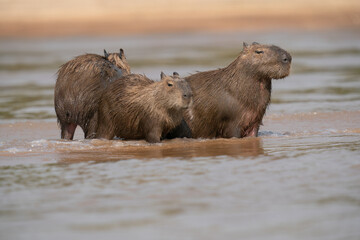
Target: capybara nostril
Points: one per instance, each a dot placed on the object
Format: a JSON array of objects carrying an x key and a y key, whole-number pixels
[{"x": 286, "y": 58}]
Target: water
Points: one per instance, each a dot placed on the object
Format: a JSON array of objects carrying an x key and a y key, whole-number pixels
[{"x": 299, "y": 180}]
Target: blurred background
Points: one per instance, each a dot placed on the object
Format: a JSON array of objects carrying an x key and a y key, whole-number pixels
[
  {"x": 109, "y": 17},
  {"x": 299, "y": 180},
  {"x": 38, "y": 36}
]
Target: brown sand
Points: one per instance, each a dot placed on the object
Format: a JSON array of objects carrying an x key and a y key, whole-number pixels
[{"x": 40, "y": 19}]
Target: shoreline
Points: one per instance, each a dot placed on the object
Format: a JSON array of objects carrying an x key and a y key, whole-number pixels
[{"x": 132, "y": 26}]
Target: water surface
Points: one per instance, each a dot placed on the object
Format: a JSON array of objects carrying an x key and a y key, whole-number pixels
[{"x": 300, "y": 179}]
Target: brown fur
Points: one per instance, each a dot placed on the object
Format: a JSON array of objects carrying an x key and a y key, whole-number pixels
[
  {"x": 79, "y": 87},
  {"x": 119, "y": 60},
  {"x": 135, "y": 107},
  {"x": 231, "y": 101}
]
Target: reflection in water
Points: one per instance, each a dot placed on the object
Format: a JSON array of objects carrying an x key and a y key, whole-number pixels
[{"x": 178, "y": 148}]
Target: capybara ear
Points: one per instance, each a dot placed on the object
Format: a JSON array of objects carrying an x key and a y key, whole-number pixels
[
  {"x": 121, "y": 54},
  {"x": 170, "y": 83},
  {"x": 255, "y": 43},
  {"x": 175, "y": 74},
  {"x": 245, "y": 45},
  {"x": 106, "y": 54},
  {"x": 162, "y": 75}
]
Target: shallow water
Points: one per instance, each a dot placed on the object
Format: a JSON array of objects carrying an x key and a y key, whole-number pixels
[{"x": 299, "y": 180}]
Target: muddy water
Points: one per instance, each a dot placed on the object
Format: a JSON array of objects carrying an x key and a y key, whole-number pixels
[{"x": 299, "y": 180}]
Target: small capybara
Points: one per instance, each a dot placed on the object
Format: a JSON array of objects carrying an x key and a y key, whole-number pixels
[
  {"x": 78, "y": 89},
  {"x": 231, "y": 101},
  {"x": 135, "y": 107}
]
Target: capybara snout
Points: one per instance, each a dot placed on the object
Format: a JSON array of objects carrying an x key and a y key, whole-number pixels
[
  {"x": 267, "y": 60},
  {"x": 182, "y": 90},
  {"x": 286, "y": 58}
]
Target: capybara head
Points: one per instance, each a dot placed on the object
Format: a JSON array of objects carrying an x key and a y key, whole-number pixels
[
  {"x": 176, "y": 91},
  {"x": 268, "y": 61},
  {"x": 119, "y": 60}
]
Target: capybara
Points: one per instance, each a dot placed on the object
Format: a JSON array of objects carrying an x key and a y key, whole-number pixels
[
  {"x": 78, "y": 89},
  {"x": 231, "y": 101},
  {"x": 135, "y": 107}
]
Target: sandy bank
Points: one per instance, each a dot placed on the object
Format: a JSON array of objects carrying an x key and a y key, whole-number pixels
[{"x": 38, "y": 18}]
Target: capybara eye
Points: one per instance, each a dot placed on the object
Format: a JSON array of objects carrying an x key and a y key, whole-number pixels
[{"x": 259, "y": 51}]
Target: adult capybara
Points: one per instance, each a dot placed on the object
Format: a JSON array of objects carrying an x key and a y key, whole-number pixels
[
  {"x": 135, "y": 107},
  {"x": 231, "y": 101},
  {"x": 79, "y": 87}
]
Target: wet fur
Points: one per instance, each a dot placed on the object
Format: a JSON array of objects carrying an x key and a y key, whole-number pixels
[
  {"x": 135, "y": 107},
  {"x": 79, "y": 87},
  {"x": 231, "y": 102}
]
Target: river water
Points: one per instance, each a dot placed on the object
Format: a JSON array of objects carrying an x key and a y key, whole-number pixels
[{"x": 300, "y": 179}]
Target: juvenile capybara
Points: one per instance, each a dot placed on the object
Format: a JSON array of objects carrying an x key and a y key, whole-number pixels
[
  {"x": 231, "y": 101},
  {"x": 78, "y": 89},
  {"x": 135, "y": 107}
]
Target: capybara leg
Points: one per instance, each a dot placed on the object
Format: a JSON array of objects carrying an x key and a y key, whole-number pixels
[
  {"x": 68, "y": 130},
  {"x": 104, "y": 128},
  {"x": 153, "y": 135},
  {"x": 104, "y": 135},
  {"x": 103, "y": 132},
  {"x": 90, "y": 130},
  {"x": 253, "y": 132},
  {"x": 231, "y": 130},
  {"x": 181, "y": 131}
]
